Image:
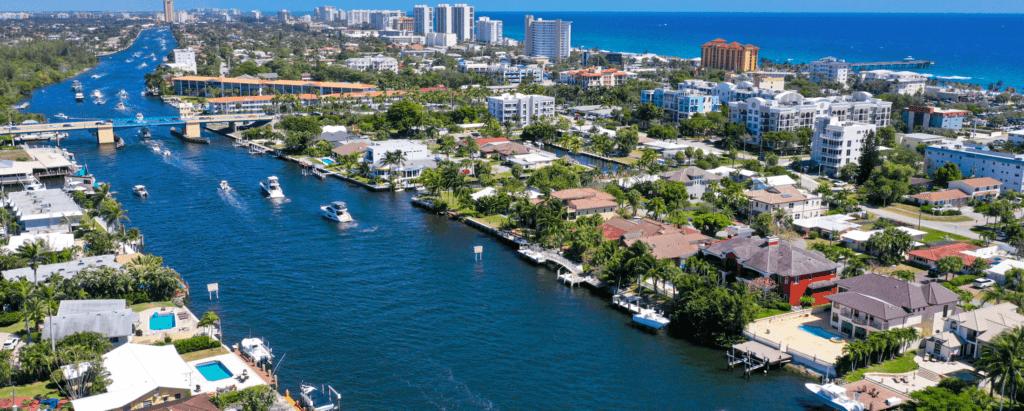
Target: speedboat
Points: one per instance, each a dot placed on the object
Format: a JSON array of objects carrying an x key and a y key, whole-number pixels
[
  {"x": 167, "y": 153},
  {"x": 909, "y": 58},
  {"x": 97, "y": 93},
  {"x": 76, "y": 85},
  {"x": 272, "y": 188},
  {"x": 319, "y": 399},
  {"x": 139, "y": 117},
  {"x": 257, "y": 351},
  {"x": 122, "y": 94},
  {"x": 140, "y": 190},
  {"x": 224, "y": 185},
  {"x": 145, "y": 133},
  {"x": 336, "y": 211},
  {"x": 156, "y": 148},
  {"x": 119, "y": 106},
  {"x": 834, "y": 396},
  {"x": 95, "y": 76},
  {"x": 79, "y": 96},
  {"x": 61, "y": 115}
]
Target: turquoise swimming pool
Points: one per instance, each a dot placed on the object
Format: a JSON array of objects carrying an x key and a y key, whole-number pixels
[
  {"x": 161, "y": 322},
  {"x": 818, "y": 331},
  {"x": 327, "y": 161},
  {"x": 214, "y": 371}
]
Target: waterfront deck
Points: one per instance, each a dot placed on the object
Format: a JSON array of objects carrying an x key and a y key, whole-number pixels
[
  {"x": 862, "y": 390},
  {"x": 754, "y": 356}
]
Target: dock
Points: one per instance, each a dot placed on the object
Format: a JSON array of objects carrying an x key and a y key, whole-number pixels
[{"x": 754, "y": 355}]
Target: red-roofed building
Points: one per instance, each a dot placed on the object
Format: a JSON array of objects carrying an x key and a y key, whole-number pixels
[
  {"x": 251, "y": 104},
  {"x": 204, "y": 86},
  {"x": 586, "y": 201},
  {"x": 931, "y": 256},
  {"x": 718, "y": 54},
  {"x": 984, "y": 188},
  {"x": 595, "y": 77},
  {"x": 954, "y": 198}
]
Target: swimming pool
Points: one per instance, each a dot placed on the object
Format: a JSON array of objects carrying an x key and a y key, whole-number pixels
[
  {"x": 214, "y": 371},
  {"x": 967, "y": 376},
  {"x": 161, "y": 322},
  {"x": 327, "y": 161},
  {"x": 817, "y": 331}
]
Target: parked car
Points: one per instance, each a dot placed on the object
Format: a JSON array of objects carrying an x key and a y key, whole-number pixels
[
  {"x": 983, "y": 282},
  {"x": 11, "y": 343}
]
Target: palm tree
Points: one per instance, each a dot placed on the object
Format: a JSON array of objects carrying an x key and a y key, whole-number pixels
[
  {"x": 997, "y": 292},
  {"x": 46, "y": 294},
  {"x": 35, "y": 253},
  {"x": 21, "y": 291},
  {"x": 1003, "y": 359}
]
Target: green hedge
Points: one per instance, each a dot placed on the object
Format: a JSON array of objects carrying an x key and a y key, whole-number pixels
[
  {"x": 194, "y": 344},
  {"x": 10, "y": 318},
  {"x": 784, "y": 306},
  {"x": 963, "y": 280},
  {"x": 222, "y": 401}
]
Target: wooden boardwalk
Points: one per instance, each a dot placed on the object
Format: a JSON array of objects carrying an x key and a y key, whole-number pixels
[{"x": 754, "y": 355}]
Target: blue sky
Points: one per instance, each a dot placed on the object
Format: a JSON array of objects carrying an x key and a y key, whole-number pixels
[{"x": 889, "y": 6}]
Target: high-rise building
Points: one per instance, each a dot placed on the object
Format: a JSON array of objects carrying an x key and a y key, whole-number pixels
[
  {"x": 169, "y": 11},
  {"x": 256, "y": 14},
  {"x": 443, "y": 19},
  {"x": 181, "y": 17},
  {"x": 488, "y": 31},
  {"x": 357, "y": 18},
  {"x": 547, "y": 38},
  {"x": 283, "y": 16},
  {"x": 837, "y": 143},
  {"x": 521, "y": 108},
  {"x": 718, "y": 54},
  {"x": 423, "y": 19},
  {"x": 326, "y": 13},
  {"x": 462, "y": 19},
  {"x": 385, "y": 19}
]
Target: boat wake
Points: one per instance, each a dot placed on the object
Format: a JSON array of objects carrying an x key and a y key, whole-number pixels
[
  {"x": 369, "y": 230},
  {"x": 232, "y": 198},
  {"x": 445, "y": 392}
]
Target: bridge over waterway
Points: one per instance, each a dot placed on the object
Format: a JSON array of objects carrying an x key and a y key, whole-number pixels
[{"x": 104, "y": 128}]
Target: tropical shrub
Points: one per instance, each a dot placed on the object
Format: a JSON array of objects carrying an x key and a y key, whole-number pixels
[
  {"x": 11, "y": 318},
  {"x": 194, "y": 344}
]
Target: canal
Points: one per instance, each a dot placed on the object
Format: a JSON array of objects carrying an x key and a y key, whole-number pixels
[{"x": 392, "y": 310}]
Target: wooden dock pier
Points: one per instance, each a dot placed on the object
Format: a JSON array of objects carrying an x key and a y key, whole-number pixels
[
  {"x": 889, "y": 65},
  {"x": 754, "y": 355}
]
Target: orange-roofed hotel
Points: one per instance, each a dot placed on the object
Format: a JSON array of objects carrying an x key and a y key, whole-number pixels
[
  {"x": 719, "y": 54},
  {"x": 202, "y": 86}
]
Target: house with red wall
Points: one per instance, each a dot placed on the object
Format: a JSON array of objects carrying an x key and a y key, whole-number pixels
[{"x": 794, "y": 271}]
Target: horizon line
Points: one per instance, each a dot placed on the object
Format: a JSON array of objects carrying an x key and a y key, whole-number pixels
[{"x": 570, "y": 11}]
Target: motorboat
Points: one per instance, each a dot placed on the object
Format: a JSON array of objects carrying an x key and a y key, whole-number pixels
[
  {"x": 61, "y": 115},
  {"x": 272, "y": 188},
  {"x": 76, "y": 85},
  {"x": 167, "y": 153},
  {"x": 143, "y": 65},
  {"x": 34, "y": 185},
  {"x": 324, "y": 398},
  {"x": 224, "y": 185},
  {"x": 336, "y": 211},
  {"x": 834, "y": 396},
  {"x": 79, "y": 97},
  {"x": 145, "y": 133},
  {"x": 122, "y": 94},
  {"x": 119, "y": 106},
  {"x": 650, "y": 318},
  {"x": 255, "y": 350},
  {"x": 118, "y": 142},
  {"x": 21, "y": 106},
  {"x": 97, "y": 94},
  {"x": 140, "y": 190},
  {"x": 139, "y": 117},
  {"x": 95, "y": 76},
  {"x": 909, "y": 58}
]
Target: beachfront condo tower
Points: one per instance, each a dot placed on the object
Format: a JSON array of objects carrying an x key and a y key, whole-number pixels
[
  {"x": 423, "y": 20},
  {"x": 489, "y": 31},
  {"x": 718, "y": 54},
  {"x": 169, "y": 11},
  {"x": 547, "y": 38}
]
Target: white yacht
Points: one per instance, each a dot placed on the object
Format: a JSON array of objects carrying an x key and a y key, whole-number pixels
[
  {"x": 272, "y": 188},
  {"x": 79, "y": 96},
  {"x": 336, "y": 211},
  {"x": 140, "y": 190},
  {"x": 834, "y": 396},
  {"x": 257, "y": 351},
  {"x": 319, "y": 399},
  {"x": 61, "y": 115},
  {"x": 224, "y": 185},
  {"x": 34, "y": 185},
  {"x": 166, "y": 153}
]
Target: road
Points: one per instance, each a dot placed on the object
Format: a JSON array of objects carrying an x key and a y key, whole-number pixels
[{"x": 963, "y": 228}]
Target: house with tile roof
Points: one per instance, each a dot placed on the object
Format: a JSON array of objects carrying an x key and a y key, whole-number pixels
[
  {"x": 676, "y": 246},
  {"x": 930, "y": 256},
  {"x": 586, "y": 201},
  {"x": 984, "y": 188},
  {"x": 951, "y": 197},
  {"x": 967, "y": 333},
  {"x": 619, "y": 228},
  {"x": 595, "y": 77},
  {"x": 696, "y": 179},
  {"x": 873, "y": 302},
  {"x": 795, "y": 202},
  {"x": 797, "y": 272}
]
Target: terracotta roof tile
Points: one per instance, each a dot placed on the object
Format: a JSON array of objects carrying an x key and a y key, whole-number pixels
[
  {"x": 941, "y": 195},
  {"x": 936, "y": 253}
]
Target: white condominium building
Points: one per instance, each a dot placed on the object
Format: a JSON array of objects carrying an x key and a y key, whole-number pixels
[
  {"x": 462, "y": 22},
  {"x": 184, "y": 60},
  {"x": 379, "y": 63},
  {"x": 357, "y": 18},
  {"x": 440, "y": 39},
  {"x": 520, "y": 108},
  {"x": 790, "y": 110},
  {"x": 830, "y": 69},
  {"x": 729, "y": 92},
  {"x": 900, "y": 82},
  {"x": 595, "y": 77},
  {"x": 837, "y": 143},
  {"x": 489, "y": 31},
  {"x": 423, "y": 20},
  {"x": 977, "y": 161},
  {"x": 443, "y": 19},
  {"x": 547, "y": 38}
]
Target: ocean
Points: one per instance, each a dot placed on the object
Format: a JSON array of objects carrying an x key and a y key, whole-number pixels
[{"x": 978, "y": 46}]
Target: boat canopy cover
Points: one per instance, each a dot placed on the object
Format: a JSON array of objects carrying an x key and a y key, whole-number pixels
[{"x": 834, "y": 390}]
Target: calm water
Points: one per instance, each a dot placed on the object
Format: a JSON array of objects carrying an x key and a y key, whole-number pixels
[
  {"x": 392, "y": 310},
  {"x": 969, "y": 45}
]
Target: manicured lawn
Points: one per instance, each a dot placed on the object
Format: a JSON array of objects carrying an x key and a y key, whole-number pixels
[
  {"x": 899, "y": 365},
  {"x": 145, "y": 306},
  {"x": 494, "y": 221},
  {"x": 13, "y": 328},
  {"x": 768, "y": 312},
  {"x": 627, "y": 160},
  {"x": 45, "y": 388},
  {"x": 936, "y": 235},
  {"x": 911, "y": 211},
  {"x": 887, "y": 270},
  {"x": 822, "y": 241},
  {"x": 198, "y": 355}
]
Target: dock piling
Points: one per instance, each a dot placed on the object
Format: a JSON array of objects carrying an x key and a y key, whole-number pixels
[{"x": 478, "y": 253}]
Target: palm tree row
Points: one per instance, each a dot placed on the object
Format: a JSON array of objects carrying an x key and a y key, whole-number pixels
[
  {"x": 878, "y": 346},
  {"x": 1002, "y": 360}
]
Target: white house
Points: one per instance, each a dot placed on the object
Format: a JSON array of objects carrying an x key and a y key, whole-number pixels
[
  {"x": 967, "y": 333},
  {"x": 900, "y": 82},
  {"x": 140, "y": 376},
  {"x": 417, "y": 158},
  {"x": 379, "y": 63},
  {"x": 531, "y": 161}
]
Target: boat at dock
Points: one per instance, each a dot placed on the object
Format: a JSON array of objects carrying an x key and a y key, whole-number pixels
[
  {"x": 140, "y": 190},
  {"x": 181, "y": 136},
  {"x": 21, "y": 106},
  {"x": 272, "y": 188},
  {"x": 255, "y": 350},
  {"x": 336, "y": 211},
  {"x": 324, "y": 398},
  {"x": 834, "y": 396},
  {"x": 650, "y": 318},
  {"x": 118, "y": 142},
  {"x": 627, "y": 301}
]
